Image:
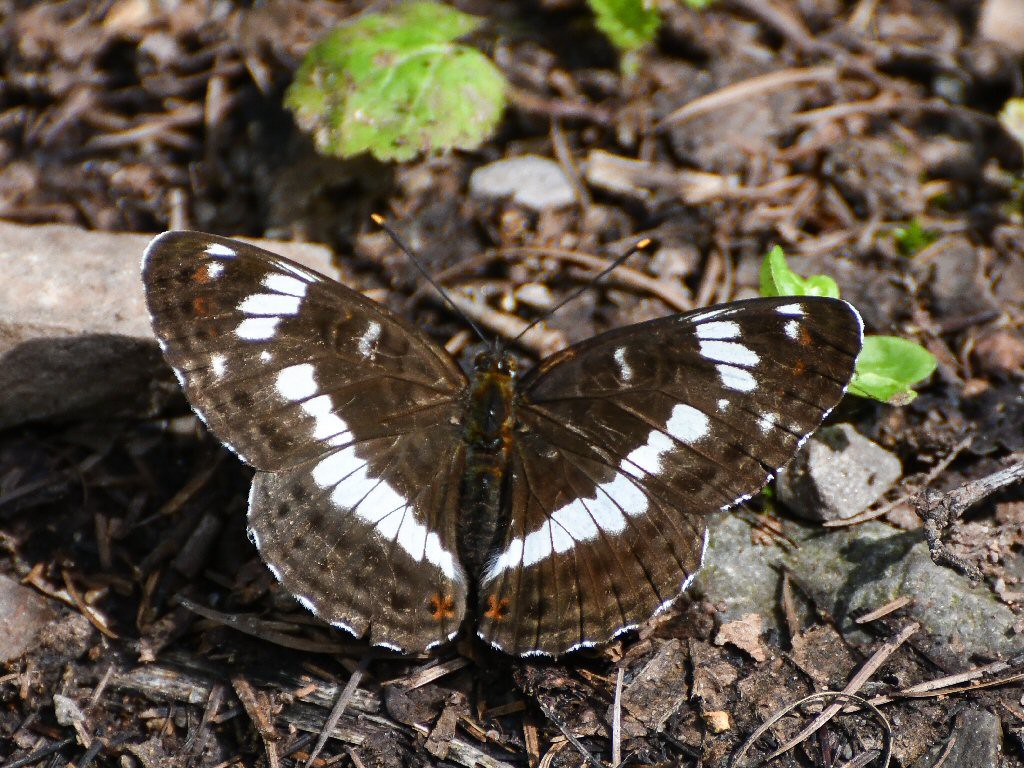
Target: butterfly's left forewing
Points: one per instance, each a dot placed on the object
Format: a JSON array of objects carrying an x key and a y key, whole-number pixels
[
  {"x": 348, "y": 412},
  {"x": 626, "y": 443}
]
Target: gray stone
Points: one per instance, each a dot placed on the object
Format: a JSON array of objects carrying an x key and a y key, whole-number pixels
[
  {"x": 849, "y": 569},
  {"x": 534, "y": 182},
  {"x": 974, "y": 743},
  {"x": 75, "y": 339},
  {"x": 869, "y": 565},
  {"x": 1003, "y": 22},
  {"x": 837, "y": 474},
  {"x": 738, "y": 576},
  {"x": 23, "y": 613},
  {"x": 66, "y": 710}
]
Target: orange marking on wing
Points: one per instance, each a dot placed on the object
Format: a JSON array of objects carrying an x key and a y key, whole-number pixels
[
  {"x": 799, "y": 368},
  {"x": 202, "y": 275},
  {"x": 201, "y": 306},
  {"x": 497, "y": 607},
  {"x": 805, "y": 336},
  {"x": 442, "y": 607}
]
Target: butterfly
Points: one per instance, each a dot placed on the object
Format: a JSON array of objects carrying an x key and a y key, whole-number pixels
[{"x": 398, "y": 498}]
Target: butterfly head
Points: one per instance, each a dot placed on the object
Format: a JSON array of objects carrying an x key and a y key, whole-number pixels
[{"x": 498, "y": 364}]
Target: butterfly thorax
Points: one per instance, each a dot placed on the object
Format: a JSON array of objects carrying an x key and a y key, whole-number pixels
[{"x": 487, "y": 433}]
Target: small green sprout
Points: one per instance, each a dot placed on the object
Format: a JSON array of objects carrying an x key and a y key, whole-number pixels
[
  {"x": 913, "y": 238},
  {"x": 886, "y": 368},
  {"x": 396, "y": 84},
  {"x": 629, "y": 24},
  {"x": 777, "y": 279}
]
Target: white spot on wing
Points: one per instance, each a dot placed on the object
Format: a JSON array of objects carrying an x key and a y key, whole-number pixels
[
  {"x": 265, "y": 356},
  {"x": 723, "y": 404},
  {"x": 327, "y": 425},
  {"x": 625, "y": 371},
  {"x": 731, "y": 352},
  {"x": 285, "y": 284},
  {"x": 720, "y": 329},
  {"x": 687, "y": 424},
  {"x": 767, "y": 421},
  {"x": 214, "y": 270},
  {"x": 736, "y": 378},
  {"x": 257, "y": 328},
  {"x": 220, "y": 250},
  {"x": 296, "y": 382},
  {"x": 368, "y": 341},
  {"x": 218, "y": 364},
  {"x": 269, "y": 304},
  {"x": 795, "y": 310},
  {"x": 648, "y": 456}
]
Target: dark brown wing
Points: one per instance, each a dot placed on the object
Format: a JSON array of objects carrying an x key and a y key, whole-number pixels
[
  {"x": 347, "y": 409},
  {"x": 628, "y": 440}
]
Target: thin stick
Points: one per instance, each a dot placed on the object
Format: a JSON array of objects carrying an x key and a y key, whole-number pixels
[
  {"x": 339, "y": 708},
  {"x": 735, "y": 93},
  {"x": 617, "y": 722}
]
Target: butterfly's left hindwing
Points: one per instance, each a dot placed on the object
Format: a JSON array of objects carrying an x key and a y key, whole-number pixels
[
  {"x": 627, "y": 441},
  {"x": 346, "y": 409}
]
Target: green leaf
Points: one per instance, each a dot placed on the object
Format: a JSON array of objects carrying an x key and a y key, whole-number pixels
[
  {"x": 396, "y": 84},
  {"x": 913, "y": 238},
  {"x": 698, "y": 5},
  {"x": 888, "y": 367},
  {"x": 629, "y": 24},
  {"x": 777, "y": 279}
]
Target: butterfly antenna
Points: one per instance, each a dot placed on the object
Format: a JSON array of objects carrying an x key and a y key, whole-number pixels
[
  {"x": 639, "y": 246},
  {"x": 380, "y": 222}
]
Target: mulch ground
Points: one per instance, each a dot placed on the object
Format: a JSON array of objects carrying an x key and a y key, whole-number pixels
[{"x": 821, "y": 126}]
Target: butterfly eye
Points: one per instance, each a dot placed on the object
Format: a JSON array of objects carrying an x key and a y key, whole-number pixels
[{"x": 484, "y": 361}]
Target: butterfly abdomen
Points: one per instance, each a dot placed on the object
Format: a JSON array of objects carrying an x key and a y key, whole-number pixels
[{"x": 487, "y": 432}]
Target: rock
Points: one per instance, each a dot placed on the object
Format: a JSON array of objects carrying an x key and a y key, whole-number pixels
[
  {"x": 974, "y": 743},
  {"x": 837, "y": 474},
  {"x": 958, "y": 285},
  {"x": 66, "y": 710},
  {"x": 532, "y": 181},
  {"x": 23, "y": 614},
  {"x": 740, "y": 577},
  {"x": 867, "y": 566},
  {"x": 851, "y": 569},
  {"x": 75, "y": 339},
  {"x": 1003, "y": 22}
]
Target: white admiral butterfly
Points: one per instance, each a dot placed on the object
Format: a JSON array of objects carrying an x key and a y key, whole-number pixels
[{"x": 395, "y": 496}]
